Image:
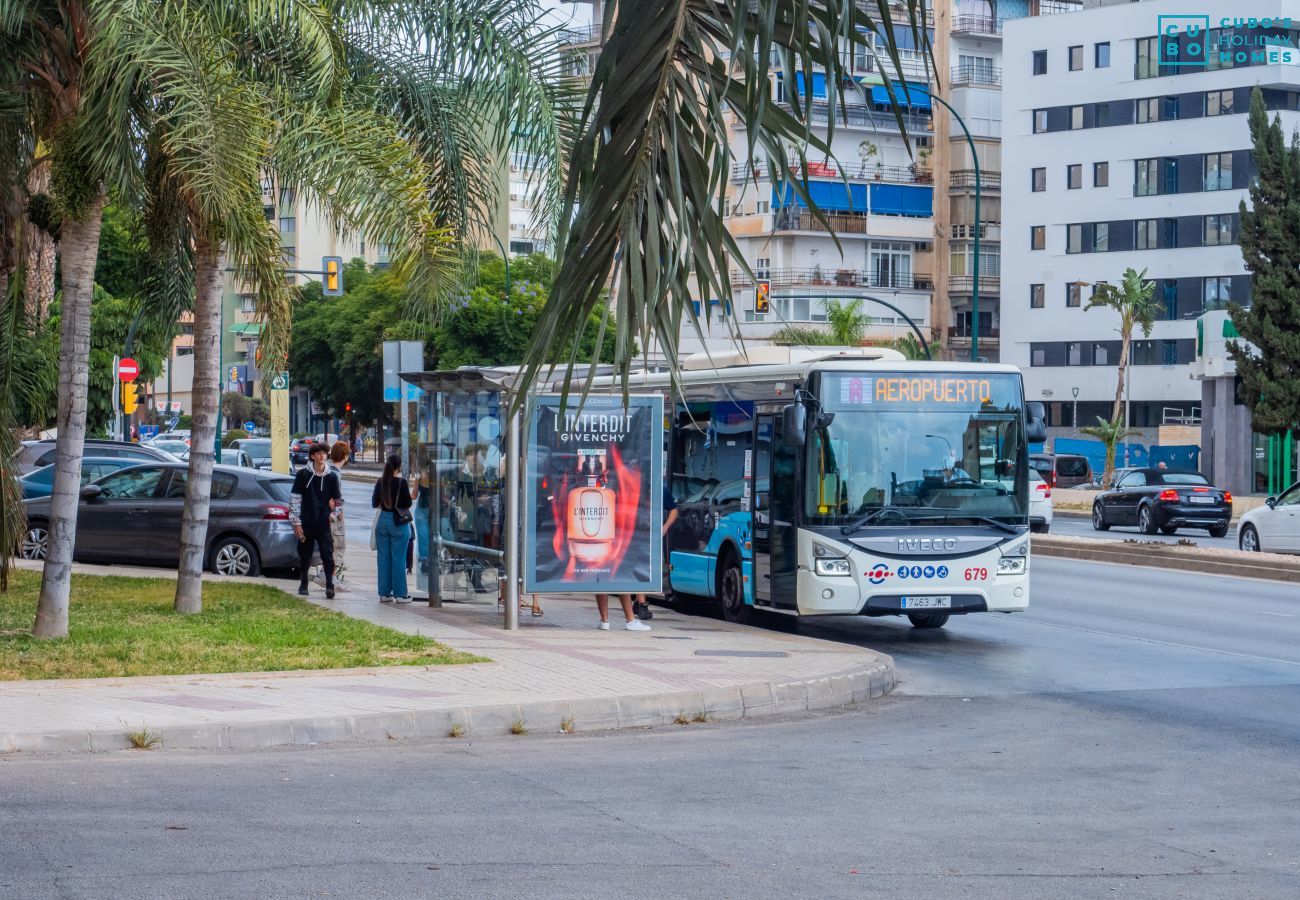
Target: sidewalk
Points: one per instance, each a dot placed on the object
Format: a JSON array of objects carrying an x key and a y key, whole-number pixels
[{"x": 555, "y": 668}]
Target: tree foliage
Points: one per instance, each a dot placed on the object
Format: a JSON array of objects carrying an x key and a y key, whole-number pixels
[
  {"x": 1268, "y": 357},
  {"x": 1110, "y": 434}
]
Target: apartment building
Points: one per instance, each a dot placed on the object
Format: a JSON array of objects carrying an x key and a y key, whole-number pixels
[{"x": 1126, "y": 145}]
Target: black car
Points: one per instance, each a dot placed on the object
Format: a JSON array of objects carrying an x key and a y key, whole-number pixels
[
  {"x": 1163, "y": 500},
  {"x": 134, "y": 516}
]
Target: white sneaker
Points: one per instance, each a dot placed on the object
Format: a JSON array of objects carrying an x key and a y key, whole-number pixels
[
  {"x": 637, "y": 625},
  {"x": 603, "y": 626},
  {"x": 401, "y": 599}
]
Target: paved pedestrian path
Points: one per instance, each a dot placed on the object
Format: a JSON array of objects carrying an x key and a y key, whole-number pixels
[{"x": 554, "y": 669}]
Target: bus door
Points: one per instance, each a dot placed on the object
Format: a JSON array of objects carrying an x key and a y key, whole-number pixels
[{"x": 776, "y": 554}]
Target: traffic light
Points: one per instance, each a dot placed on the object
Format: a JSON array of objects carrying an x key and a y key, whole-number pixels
[
  {"x": 347, "y": 408},
  {"x": 333, "y": 270},
  {"x": 130, "y": 398},
  {"x": 763, "y": 297}
]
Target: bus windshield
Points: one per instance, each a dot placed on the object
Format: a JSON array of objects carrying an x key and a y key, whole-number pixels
[{"x": 917, "y": 448}]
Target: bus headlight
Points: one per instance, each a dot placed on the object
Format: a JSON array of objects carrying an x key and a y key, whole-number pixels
[
  {"x": 838, "y": 566},
  {"x": 1011, "y": 565}
]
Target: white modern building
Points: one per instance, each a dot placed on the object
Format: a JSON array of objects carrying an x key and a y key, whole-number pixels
[{"x": 1124, "y": 148}]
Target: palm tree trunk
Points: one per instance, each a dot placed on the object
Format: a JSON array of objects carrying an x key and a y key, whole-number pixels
[
  {"x": 208, "y": 282},
  {"x": 1126, "y": 338},
  {"x": 39, "y": 249},
  {"x": 79, "y": 244}
]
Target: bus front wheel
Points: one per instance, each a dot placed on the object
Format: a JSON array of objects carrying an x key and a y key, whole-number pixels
[
  {"x": 731, "y": 591},
  {"x": 928, "y": 620}
]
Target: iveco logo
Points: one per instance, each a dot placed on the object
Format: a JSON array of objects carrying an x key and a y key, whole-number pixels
[{"x": 927, "y": 545}]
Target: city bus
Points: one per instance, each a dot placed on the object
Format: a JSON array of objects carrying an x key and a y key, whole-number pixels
[{"x": 823, "y": 482}]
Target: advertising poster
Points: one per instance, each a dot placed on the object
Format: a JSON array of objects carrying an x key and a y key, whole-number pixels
[{"x": 594, "y": 496}]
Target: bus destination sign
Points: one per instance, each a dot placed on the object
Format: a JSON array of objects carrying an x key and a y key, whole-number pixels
[{"x": 914, "y": 389}]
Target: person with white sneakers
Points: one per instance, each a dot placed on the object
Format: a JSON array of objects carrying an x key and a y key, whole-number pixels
[{"x": 602, "y": 605}]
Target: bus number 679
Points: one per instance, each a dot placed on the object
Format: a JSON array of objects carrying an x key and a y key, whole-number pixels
[{"x": 977, "y": 574}]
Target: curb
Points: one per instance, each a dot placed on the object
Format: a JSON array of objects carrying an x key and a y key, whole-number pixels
[
  {"x": 1158, "y": 555},
  {"x": 762, "y": 698}
]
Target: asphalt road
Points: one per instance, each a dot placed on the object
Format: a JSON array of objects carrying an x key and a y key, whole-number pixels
[
  {"x": 1135, "y": 734},
  {"x": 1081, "y": 526}
]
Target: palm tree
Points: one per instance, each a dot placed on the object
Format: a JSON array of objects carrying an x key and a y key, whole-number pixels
[
  {"x": 644, "y": 194},
  {"x": 1132, "y": 301},
  {"x": 1110, "y": 434},
  {"x": 847, "y": 322}
]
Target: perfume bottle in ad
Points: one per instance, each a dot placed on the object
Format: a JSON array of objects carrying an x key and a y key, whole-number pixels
[{"x": 591, "y": 512}]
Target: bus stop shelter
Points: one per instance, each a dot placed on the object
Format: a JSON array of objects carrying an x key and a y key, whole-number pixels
[{"x": 465, "y": 451}]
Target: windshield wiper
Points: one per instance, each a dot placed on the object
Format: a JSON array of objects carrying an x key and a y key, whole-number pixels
[{"x": 931, "y": 511}]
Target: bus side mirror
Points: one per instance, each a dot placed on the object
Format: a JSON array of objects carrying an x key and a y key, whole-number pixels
[
  {"x": 1035, "y": 423},
  {"x": 794, "y": 419}
]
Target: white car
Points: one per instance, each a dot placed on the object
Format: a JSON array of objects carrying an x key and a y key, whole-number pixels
[
  {"x": 1273, "y": 527},
  {"x": 1040, "y": 503}
]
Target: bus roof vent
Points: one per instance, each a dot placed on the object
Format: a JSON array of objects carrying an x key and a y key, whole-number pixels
[
  {"x": 782, "y": 355},
  {"x": 821, "y": 354}
]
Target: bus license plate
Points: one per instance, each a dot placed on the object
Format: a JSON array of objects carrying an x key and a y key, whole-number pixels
[{"x": 927, "y": 603}]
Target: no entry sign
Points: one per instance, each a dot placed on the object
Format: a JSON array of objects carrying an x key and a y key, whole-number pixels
[{"x": 127, "y": 370}]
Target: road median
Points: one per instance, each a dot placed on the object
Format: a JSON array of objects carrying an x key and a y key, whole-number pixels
[{"x": 1182, "y": 557}]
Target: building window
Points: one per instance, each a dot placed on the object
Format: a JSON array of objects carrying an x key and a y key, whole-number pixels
[
  {"x": 1076, "y": 118},
  {"x": 1040, "y": 121},
  {"x": 1100, "y": 237},
  {"x": 1171, "y": 299},
  {"x": 1169, "y": 234},
  {"x": 1038, "y": 179},
  {"x": 1073, "y": 294},
  {"x": 891, "y": 264},
  {"x": 1169, "y": 353},
  {"x": 1218, "y": 103},
  {"x": 1146, "y": 182},
  {"x": 1216, "y": 292},
  {"x": 762, "y": 207},
  {"x": 288, "y": 225},
  {"x": 1101, "y": 55},
  {"x": 1074, "y": 176},
  {"x": 1146, "y": 234},
  {"x": 1073, "y": 238},
  {"x": 1100, "y": 356},
  {"x": 1217, "y": 230},
  {"x": 1037, "y": 237},
  {"x": 1101, "y": 115},
  {"x": 763, "y": 267},
  {"x": 1076, "y": 58},
  {"x": 1040, "y": 62},
  {"x": 726, "y": 207},
  {"x": 1037, "y": 356},
  {"x": 1073, "y": 353},
  {"x": 1218, "y": 171},
  {"x": 1148, "y": 110},
  {"x": 1100, "y": 174},
  {"x": 1148, "y": 58},
  {"x": 1168, "y": 108},
  {"x": 249, "y": 305},
  {"x": 1037, "y": 296}
]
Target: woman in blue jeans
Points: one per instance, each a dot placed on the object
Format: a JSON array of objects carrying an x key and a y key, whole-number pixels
[{"x": 392, "y": 498}]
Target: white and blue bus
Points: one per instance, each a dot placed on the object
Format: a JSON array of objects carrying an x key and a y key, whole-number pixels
[{"x": 815, "y": 482}]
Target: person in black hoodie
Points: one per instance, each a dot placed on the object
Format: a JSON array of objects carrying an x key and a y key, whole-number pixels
[{"x": 316, "y": 493}]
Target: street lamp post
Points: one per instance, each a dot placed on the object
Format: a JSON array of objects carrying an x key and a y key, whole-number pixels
[
  {"x": 975, "y": 262},
  {"x": 1074, "y": 416}
]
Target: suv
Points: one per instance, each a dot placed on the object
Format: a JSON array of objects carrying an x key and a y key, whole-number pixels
[
  {"x": 1062, "y": 470},
  {"x": 35, "y": 455}
]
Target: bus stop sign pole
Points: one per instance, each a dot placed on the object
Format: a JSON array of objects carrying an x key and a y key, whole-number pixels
[{"x": 512, "y": 520}]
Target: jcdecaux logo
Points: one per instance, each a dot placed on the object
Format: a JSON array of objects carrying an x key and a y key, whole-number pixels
[{"x": 1194, "y": 40}]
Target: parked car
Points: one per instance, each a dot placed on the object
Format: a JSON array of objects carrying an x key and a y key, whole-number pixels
[
  {"x": 1273, "y": 527},
  {"x": 233, "y": 456},
  {"x": 1163, "y": 500},
  {"x": 175, "y": 447},
  {"x": 259, "y": 450},
  {"x": 41, "y": 482},
  {"x": 134, "y": 516},
  {"x": 1062, "y": 470},
  {"x": 1040, "y": 503},
  {"x": 34, "y": 455}
]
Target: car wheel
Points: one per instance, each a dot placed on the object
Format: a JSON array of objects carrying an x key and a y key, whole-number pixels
[
  {"x": 1146, "y": 521},
  {"x": 1099, "y": 522},
  {"x": 235, "y": 556},
  {"x": 928, "y": 620},
  {"x": 731, "y": 591},
  {"x": 1249, "y": 540},
  {"x": 36, "y": 542},
  {"x": 1219, "y": 530}
]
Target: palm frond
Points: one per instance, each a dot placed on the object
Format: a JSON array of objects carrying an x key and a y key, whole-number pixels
[{"x": 647, "y": 176}]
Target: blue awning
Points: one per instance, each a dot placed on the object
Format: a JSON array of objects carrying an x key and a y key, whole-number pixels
[
  {"x": 828, "y": 195},
  {"x": 908, "y": 96},
  {"x": 902, "y": 200},
  {"x": 818, "y": 84}
]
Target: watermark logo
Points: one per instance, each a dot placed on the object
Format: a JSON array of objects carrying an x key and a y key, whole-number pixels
[{"x": 1189, "y": 40}]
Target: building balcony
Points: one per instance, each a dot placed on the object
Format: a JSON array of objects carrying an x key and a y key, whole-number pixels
[
  {"x": 975, "y": 76},
  {"x": 571, "y": 37},
  {"x": 964, "y": 179},
  {"x": 857, "y": 278},
  {"x": 848, "y": 224},
  {"x": 867, "y": 118},
  {"x": 1056, "y": 7},
  {"x": 982, "y": 25},
  {"x": 913, "y": 62},
  {"x": 960, "y": 334},
  {"x": 965, "y": 284},
  {"x": 870, "y": 171}
]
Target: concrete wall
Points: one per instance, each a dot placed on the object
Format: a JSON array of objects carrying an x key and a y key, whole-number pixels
[{"x": 1226, "y": 439}]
